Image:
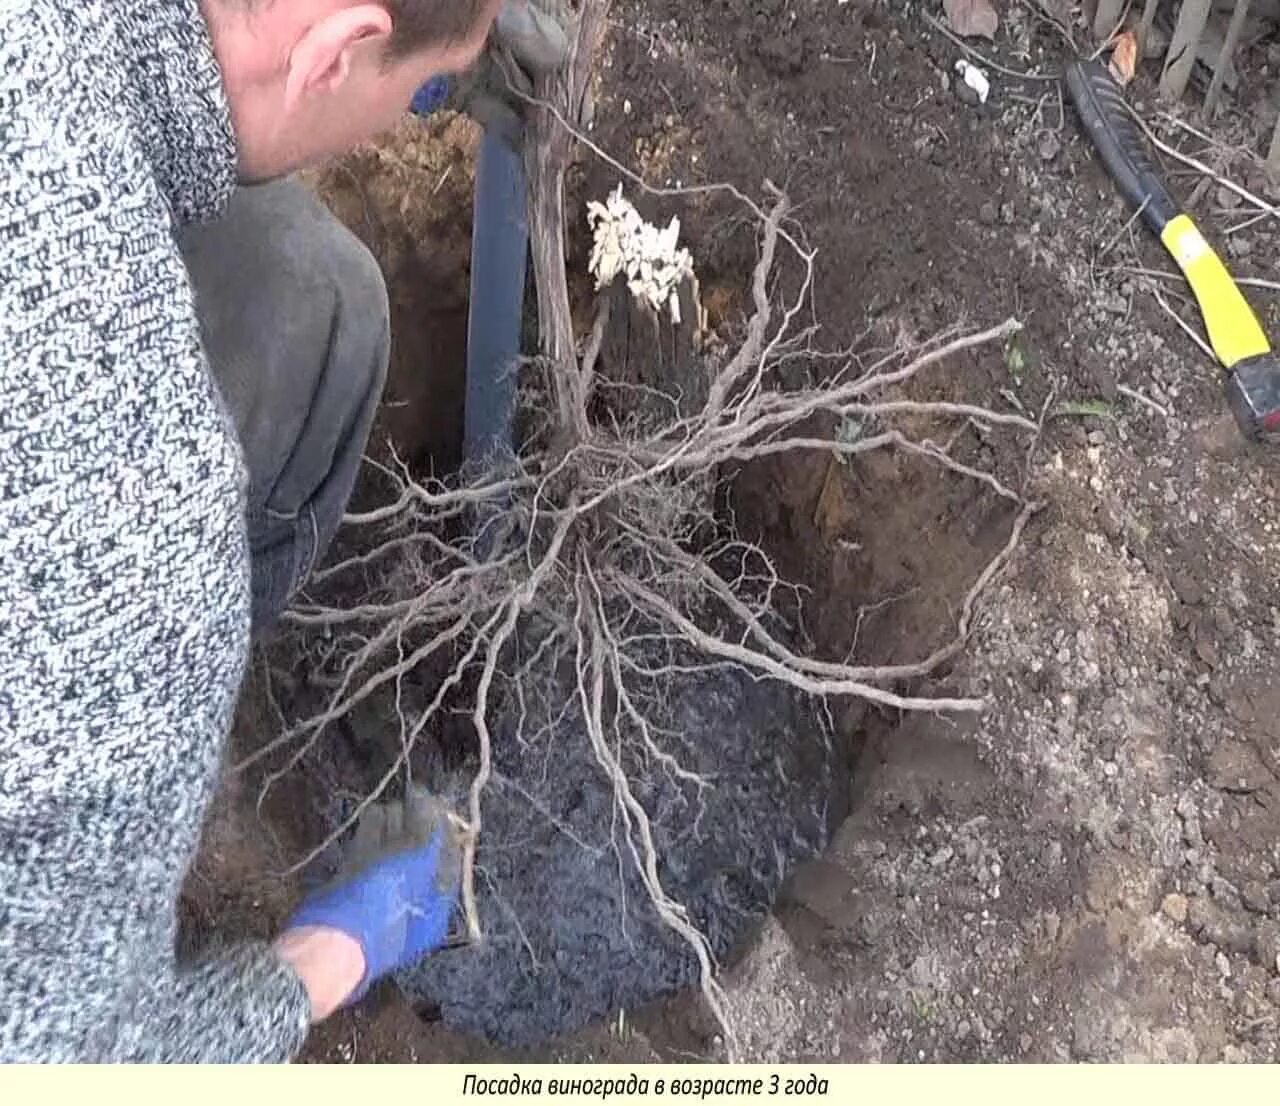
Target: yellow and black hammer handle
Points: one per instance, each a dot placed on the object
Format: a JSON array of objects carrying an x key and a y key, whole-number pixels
[{"x": 1237, "y": 338}]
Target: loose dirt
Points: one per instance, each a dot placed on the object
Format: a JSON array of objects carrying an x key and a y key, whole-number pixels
[{"x": 1089, "y": 870}]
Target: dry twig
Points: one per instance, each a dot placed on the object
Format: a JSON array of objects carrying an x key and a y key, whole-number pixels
[{"x": 982, "y": 59}]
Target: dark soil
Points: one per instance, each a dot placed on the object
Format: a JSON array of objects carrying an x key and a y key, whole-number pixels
[
  {"x": 570, "y": 934},
  {"x": 1088, "y": 871}
]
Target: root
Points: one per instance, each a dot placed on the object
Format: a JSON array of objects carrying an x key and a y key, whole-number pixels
[{"x": 602, "y": 557}]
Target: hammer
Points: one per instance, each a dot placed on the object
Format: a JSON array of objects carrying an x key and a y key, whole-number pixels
[{"x": 1237, "y": 338}]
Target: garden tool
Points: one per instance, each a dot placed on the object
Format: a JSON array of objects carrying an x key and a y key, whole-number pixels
[{"x": 1236, "y": 336}]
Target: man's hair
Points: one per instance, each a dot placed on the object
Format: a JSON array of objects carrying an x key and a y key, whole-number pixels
[{"x": 422, "y": 23}]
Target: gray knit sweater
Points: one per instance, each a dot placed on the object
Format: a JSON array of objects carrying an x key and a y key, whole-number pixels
[{"x": 124, "y": 607}]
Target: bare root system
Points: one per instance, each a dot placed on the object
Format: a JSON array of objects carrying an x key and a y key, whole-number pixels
[{"x": 594, "y": 565}]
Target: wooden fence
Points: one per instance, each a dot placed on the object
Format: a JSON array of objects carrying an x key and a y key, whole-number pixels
[{"x": 1184, "y": 45}]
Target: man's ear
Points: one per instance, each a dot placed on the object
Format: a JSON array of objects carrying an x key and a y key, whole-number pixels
[{"x": 321, "y": 59}]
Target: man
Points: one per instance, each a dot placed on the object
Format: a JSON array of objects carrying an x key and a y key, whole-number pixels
[{"x": 187, "y": 381}]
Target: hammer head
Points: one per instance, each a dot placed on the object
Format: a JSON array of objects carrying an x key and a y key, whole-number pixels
[{"x": 1253, "y": 390}]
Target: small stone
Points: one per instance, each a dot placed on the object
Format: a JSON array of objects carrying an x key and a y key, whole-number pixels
[
  {"x": 1255, "y": 897},
  {"x": 1115, "y": 303},
  {"x": 1266, "y": 942},
  {"x": 1052, "y": 925},
  {"x": 1220, "y": 438},
  {"x": 1236, "y": 766},
  {"x": 1207, "y": 650},
  {"x": 1226, "y": 197},
  {"x": 1187, "y": 588},
  {"x": 1048, "y": 146},
  {"x": 1174, "y": 907},
  {"x": 1239, "y": 246},
  {"x": 1223, "y": 965},
  {"x": 1225, "y": 892},
  {"x": 1212, "y": 924},
  {"x": 1193, "y": 835}
]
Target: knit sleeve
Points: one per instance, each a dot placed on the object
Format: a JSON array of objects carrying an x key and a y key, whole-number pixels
[
  {"x": 238, "y": 1005},
  {"x": 124, "y": 584}
]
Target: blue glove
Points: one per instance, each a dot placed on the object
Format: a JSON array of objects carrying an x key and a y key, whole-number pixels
[
  {"x": 431, "y": 96},
  {"x": 397, "y": 890}
]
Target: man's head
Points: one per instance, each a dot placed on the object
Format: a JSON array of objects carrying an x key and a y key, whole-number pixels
[{"x": 307, "y": 79}]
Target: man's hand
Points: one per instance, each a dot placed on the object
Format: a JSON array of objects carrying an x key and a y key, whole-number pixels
[
  {"x": 535, "y": 32},
  {"x": 387, "y": 908},
  {"x": 329, "y": 963}
]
